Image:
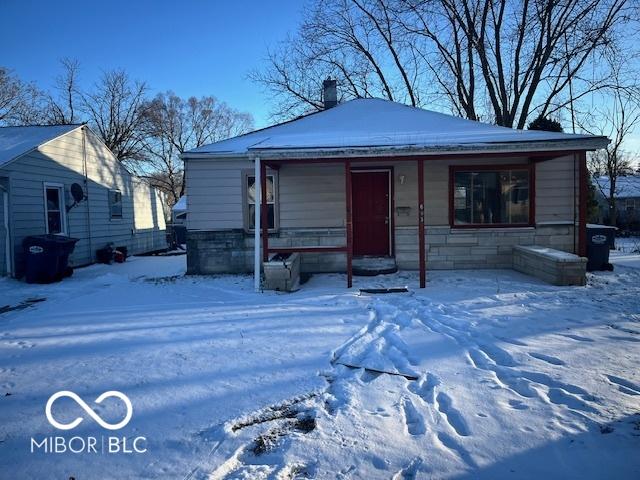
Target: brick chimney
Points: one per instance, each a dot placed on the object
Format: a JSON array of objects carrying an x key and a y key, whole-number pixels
[{"x": 329, "y": 93}]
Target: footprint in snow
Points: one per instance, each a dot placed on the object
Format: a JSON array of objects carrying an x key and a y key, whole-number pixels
[
  {"x": 410, "y": 471},
  {"x": 513, "y": 341},
  {"x": 562, "y": 397},
  {"x": 577, "y": 338},
  {"x": 369, "y": 376},
  {"x": 454, "y": 418},
  {"x": 625, "y": 330},
  {"x": 412, "y": 418},
  {"x": 425, "y": 387},
  {"x": 624, "y": 385},
  {"x": 624, "y": 339},
  {"x": 518, "y": 405},
  {"x": 379, "y": 462},
  {"x": 547, "y": 358},
  {"x": 452, "y": 445},
  {"x": 379, "y": 412},
  {"x": 498, "y": 355}
]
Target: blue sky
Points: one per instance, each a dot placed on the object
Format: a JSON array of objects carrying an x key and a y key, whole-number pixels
[{"x": 193, "y": 47}]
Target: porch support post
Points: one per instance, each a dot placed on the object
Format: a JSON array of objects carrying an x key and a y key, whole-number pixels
[
  {"x": 256, "y": 226},
  {"x": 421, "y": 243},
  {"x": 349, "y": 223},
  {"x": 264, "y": 222},
  {"x": 582, "y": 209}
]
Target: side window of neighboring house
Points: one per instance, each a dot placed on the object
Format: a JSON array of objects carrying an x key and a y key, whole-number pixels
[
  {"x": 115, "y": 203},
  {"x": 54, "y": 208},
  {"x": 250, "y": 189},
  {"x": 630, "y": 204}
]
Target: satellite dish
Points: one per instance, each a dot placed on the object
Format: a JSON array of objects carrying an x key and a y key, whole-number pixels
[{"x": 77, "y": 192}]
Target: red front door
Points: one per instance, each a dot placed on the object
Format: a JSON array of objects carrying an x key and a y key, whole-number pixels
[{"x": 370, "y": 194}]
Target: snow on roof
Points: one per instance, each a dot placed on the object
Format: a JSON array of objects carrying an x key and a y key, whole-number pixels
[
  {"x": 16, "y": 141},
  {"x": 377, "y": 123},
  {"x": 628, "y": 186},
  {"x": 181, "y": 204}
]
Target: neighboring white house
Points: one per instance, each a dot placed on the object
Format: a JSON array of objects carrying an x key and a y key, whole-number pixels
[
  {"x": 39, "y": 165},
  {"x": 179, "y": 211},
  {"x": 627, "y": 195}
]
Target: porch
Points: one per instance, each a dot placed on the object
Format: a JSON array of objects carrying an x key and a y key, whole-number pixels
[{"x": 414, "y": 213}]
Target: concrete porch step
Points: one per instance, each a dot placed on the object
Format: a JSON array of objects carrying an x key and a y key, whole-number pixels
[{"x": 370, "y": 266}]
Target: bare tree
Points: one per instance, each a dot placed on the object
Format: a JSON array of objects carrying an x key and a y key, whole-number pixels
[
  {"x": 616, "y": 120},
  {"x": 173, "y": 125},
  {"x": 500, "y": 60},
  {"x": 61, "y": 105},
  {"x": 11, "y": 91},
  {"x": 19, "y": 101},
  {"x": 116, "y": 108}
]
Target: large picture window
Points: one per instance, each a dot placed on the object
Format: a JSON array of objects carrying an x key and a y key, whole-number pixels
[
  {"x": 251, "y": 201},
  {"x": 54, "y": 208},
  {"x": 500, "y": 196}
]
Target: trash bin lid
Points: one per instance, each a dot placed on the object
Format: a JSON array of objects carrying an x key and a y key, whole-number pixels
[
  {"x": 49, "y": 240},
  {"x": 596, "y": 226}
]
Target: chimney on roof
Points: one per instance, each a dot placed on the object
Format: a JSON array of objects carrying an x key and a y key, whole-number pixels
[{"x": 329, "y": 93}]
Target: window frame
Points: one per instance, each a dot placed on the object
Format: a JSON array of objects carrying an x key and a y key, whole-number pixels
[
  {"x": 629, "y": 204},
  {"x": 111, "y": 217},
  {"x": 528, "y": 167},
  {"x": 63, "y": 207},
  {"x": 245, "y": 203}
]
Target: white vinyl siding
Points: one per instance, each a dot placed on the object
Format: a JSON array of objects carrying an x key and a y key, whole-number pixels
[
  {"x": 215, "y": 194},
  {"x": 61, "y": 161},
  {"x": 556, "y": 185},
  {"x": 313, "y": 196}
]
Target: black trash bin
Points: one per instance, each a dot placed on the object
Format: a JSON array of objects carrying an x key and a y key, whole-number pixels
[
  {"x": 47, "y": 257},
  {"x": 600, "y": 239}
]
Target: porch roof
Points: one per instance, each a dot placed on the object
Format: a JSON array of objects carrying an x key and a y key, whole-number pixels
[{"x": 379, "y": 127}]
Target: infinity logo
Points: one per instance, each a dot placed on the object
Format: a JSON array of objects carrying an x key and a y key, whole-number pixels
[{"x": 86, "y": 408}]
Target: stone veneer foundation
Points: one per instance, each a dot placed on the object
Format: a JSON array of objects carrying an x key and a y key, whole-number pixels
[{"x": 231, "y": 251}]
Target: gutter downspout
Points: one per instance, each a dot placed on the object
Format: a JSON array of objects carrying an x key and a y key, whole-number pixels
[
  {"x": 8, "y": 249},
  {"x": 257, "y": 259},
  {"x": 575, "y": 207},
  {"x": 86, "y": 189}
]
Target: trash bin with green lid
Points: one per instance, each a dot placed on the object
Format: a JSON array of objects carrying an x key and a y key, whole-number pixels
[{"x": 600, "y": 239}]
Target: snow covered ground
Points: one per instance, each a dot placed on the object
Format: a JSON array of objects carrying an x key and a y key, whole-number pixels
[
  {"x": 627, "y": 252},
  {"x": 490, "y": 374}
]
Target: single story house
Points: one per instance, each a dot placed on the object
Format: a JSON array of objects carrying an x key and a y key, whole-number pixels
[
  {"x": 374, "y": 178},
  {"x": 627, "y": 196},
  {"x": 64, "y": 180}
]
